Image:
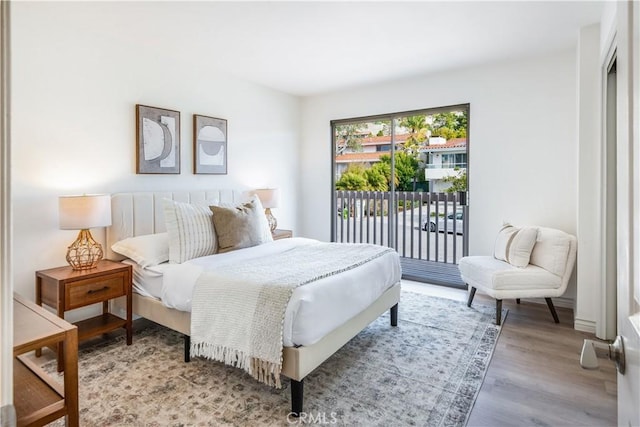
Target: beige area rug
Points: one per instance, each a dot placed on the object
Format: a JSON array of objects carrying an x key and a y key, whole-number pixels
[{"x": 426, "y": 372}]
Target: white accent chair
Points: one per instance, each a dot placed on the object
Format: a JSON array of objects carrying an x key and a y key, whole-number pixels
[{"x": 546, "y": 276}]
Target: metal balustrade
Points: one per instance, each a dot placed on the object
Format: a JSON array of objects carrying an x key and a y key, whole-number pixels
[{"x": 417, "y": 225}]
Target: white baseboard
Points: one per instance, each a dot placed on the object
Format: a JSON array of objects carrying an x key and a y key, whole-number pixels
[
  {"x": 584, "y": 325},
  {"x": 557, "y": 302},
  {"x": 7, "y": 416},
  {"x": 578, "y": 324},
  {"x": 564, "y": 302}
]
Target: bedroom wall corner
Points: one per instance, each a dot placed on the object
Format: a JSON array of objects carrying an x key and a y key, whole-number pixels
[
  {"x": 73, "y": 126},
  {"x": 522, "y": 120}
]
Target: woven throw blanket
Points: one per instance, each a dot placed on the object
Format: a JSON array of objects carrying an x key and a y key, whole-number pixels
[{"x": 237, "y": 314}]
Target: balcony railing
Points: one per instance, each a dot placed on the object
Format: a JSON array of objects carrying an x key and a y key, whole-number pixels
[
  {"x": 420, "y": 226},
  {"x": 447, "y": 165}
]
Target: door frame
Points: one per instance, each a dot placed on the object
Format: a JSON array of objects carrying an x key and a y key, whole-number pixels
[
  {"x": 6, "y": 279},
  {"x": 606, "y": 324}
]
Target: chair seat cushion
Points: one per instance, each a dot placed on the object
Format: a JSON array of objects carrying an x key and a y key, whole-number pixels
[{"x": 486, "y": 271}]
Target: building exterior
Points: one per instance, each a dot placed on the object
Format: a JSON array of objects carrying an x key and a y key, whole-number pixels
[
  {"x": 372, "y": 148},
  {"x": 444, "y": 158}
]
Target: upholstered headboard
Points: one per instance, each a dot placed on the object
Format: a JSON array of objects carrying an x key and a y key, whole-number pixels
[{"x": 136, "y": 214}]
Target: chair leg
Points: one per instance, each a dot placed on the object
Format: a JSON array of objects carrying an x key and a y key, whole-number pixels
[
  {"x": 472, "y": 293},
  {"x": 553, "y": 310},
  {"x": 517, "y": 300},
  {"x": 498, "y": 311}
]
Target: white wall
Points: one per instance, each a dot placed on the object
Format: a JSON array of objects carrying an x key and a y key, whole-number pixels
[
  {"x": 523, "y": 143},
  {"x": 73, "y": 124}
]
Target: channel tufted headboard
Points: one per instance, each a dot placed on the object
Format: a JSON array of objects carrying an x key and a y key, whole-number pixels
[{"x": 139, "y": 213}]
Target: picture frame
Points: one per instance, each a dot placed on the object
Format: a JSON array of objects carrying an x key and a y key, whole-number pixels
[
  {"x": 209, "y": 145},
  {"x": 157, "y": 140}
]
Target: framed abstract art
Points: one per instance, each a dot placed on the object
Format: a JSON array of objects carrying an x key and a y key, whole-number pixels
[
  {"x": 157, "y": 140},
  {"x": 209, "y": 145}
]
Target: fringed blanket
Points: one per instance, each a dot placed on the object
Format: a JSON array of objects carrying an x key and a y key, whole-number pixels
[{"x": 237, "y": 314}]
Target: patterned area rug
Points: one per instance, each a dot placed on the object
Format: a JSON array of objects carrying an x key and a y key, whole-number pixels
[{"x": 427, "y": 372}]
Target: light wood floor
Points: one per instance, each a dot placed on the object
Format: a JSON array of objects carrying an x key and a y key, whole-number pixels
[{"x": 535, "y": 378}]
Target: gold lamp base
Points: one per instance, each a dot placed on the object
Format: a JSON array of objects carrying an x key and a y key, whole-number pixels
[
  {"x": 84, "y": 253},
  {"x": 273, "y": 222}
]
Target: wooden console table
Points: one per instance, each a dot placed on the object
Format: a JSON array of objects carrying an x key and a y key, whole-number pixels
[{"x": 37, "y": 398}]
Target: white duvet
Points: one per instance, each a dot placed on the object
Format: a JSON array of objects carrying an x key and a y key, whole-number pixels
[{"x": 314, "y": 309}]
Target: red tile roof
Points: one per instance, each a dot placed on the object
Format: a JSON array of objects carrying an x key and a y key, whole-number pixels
[
  {"x": 360, "y": 157},
  {"x": 452, "y": 143}
]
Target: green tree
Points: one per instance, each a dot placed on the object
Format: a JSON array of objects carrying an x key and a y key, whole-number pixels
[
  {"x": 458, "y": 181},
  {"x": 351, "y": 181},
  {"x": 376, "y": 180},
  {"x": 449, "y": 125},
  {"x": 357, "y": 177},
  {"x": 349, "y": 136},
  {"x": 418, "y": 129},
  {"x": 406, "y": 169}
]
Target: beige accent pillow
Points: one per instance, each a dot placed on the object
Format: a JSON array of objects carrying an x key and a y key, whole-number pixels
[
  {"x": 240, "y": 226},
  {"x": 190, "y": 230},
  {"x": 514, "y": 244}
]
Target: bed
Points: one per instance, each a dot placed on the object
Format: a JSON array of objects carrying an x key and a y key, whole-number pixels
[{"x": 141, "y": 213}]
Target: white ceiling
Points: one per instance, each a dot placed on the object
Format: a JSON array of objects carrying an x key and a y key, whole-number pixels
[{"x": 306, "y": 48}]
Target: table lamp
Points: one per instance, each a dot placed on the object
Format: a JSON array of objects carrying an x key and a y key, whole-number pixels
[
  {"x": 82, "y": 213},
  {"x": 269, "y": 199}
]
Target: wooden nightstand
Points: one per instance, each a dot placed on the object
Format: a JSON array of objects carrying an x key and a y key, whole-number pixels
[
  {"x": 65, "y": 289},
  {"x": 282, "y": 234}
]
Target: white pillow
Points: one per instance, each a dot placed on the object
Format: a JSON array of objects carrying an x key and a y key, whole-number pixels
[
  {"x": 146, "y": 251},
  {"x": 522, "y": 245},
  {"x": 514, "y": 244},
  {"x": 503, "y": 242},
  {"x": 190, "y": 229}
]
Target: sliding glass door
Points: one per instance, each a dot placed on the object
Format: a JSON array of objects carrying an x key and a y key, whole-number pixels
[{"x": 400, "y": 180}]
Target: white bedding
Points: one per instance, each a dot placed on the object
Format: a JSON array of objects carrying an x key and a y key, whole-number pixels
[
  {"x": 314, "y": 309},
  {"x": 148, "y": 281}
]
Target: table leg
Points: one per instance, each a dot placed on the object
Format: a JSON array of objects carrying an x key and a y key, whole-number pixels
[{"x": 71, "y": 377}]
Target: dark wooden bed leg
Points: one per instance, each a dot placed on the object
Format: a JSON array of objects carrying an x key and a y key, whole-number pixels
[
  {"x": 297, "y": 388},
  {"x": 394, "y": 315},
  {"x": 187, "y": 348}
]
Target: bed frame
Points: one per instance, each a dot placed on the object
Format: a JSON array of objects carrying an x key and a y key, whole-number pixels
[{"x": 135, "y": 214}]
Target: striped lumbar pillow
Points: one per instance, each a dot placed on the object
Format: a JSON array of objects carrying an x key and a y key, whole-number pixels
[{"x": 190, "y": 229}]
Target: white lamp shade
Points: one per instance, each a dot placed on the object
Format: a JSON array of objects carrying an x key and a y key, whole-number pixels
[
  {"x": 84, "y": 212},
  {"x": 269, "y": 197}
]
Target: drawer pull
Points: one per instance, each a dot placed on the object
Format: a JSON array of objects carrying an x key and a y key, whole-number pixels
[{"x": 95, "y": 291}]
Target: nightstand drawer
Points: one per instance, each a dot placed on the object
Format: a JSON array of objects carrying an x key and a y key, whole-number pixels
[{"x": 90, "y": 291}]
